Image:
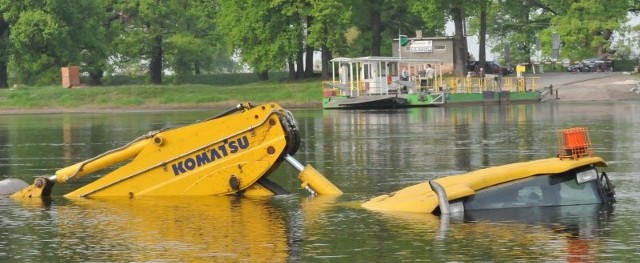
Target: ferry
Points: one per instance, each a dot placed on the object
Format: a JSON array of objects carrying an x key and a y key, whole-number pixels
[{"x": 393, "y": 82}]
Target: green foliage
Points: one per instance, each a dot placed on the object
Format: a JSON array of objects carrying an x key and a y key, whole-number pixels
[
  {"x": 329, "y": 26},
  {"x": 169, "y": 96},
  {"x": 205, "y": 79},
  {"x": 251, "y": 29},
  {"x": 435, "y": 14},
  {"x": 625, "y": 65},
  {"x": 265, "y": 34},
  {"x": 46, "y": 35},
  {"x": 184, "y": 49},
  {"x": 187, "y": 38},
  {"x": 586, "y": 27},
  {"x": 379, "y": 21}
]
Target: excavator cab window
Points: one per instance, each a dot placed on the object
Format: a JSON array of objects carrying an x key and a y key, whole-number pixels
[{"x": 543, "y": 190}]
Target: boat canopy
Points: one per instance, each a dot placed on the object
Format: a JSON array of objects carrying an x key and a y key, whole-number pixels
[{"x": 377, "y": 75}]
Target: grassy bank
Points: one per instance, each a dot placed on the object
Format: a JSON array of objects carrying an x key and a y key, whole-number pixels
[{"x": 305, "y": 93}]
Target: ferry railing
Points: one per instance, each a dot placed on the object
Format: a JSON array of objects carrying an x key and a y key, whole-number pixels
[
  {"x": 477, "y": 85},
  {"x": 455, "y": 85}
]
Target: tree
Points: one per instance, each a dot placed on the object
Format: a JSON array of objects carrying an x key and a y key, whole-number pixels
[
  {"x": 586, "y": 27},
  {"x": 144, "y": 31},
  {"x": 175, "y": 36},
  {"x": 195, "y": 43},
  {"x": 295, "y": 14},
  {"x": 482, "y": 34},
  {"x": 436, "y": 13},
  {"x": 259, "y": 32},
  {"x": 45, "y": 35},
  {"x": 378, "y": 21},
  {"x": 331, "y": 19}
]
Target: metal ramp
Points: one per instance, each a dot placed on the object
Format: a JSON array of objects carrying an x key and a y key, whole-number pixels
[
  {"x": 439, "y": 98},
  {"x": 343, "y": 87},
  {"x": 406, "y": 83},
  {"x": 395, "y": 87}
]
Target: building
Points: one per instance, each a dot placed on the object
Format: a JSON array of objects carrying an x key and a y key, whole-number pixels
[{"x": 419, "y": 47}]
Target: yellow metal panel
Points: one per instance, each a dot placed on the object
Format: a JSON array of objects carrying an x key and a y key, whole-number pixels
[
  {"x": 41, "y": 187},
  {"x": 200, "y": 159},
  {"x": 87, "y": 167},
  {"x": 257, "y": 190},
  {"x": 311, "y": 178},
  {"x": 420, "y": 198},
  {"x": 417, "y": 198}
]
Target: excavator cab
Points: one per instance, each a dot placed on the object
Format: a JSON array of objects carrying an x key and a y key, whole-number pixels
[{"x": 229, "y": 154}]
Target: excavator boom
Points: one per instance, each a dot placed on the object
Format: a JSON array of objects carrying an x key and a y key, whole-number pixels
[{"x": 228, "y": 154}]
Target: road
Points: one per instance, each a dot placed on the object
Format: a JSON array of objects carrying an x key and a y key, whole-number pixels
[{"x": 591, "y": 86}]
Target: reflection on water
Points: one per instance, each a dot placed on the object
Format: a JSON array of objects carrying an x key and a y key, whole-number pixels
[
  {"x": 149, "y": 229},
  {"x": 365, "y": 153},
  {"x": 573, "y": 233}
]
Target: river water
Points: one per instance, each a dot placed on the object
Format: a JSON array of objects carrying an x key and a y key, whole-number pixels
[{"x": 365, "y": 153}]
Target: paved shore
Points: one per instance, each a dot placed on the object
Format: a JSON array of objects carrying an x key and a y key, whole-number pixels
[{"x": 591, "y": 86}]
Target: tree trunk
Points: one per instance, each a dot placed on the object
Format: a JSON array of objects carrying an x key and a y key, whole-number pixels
[
  {"x": 4, "y": 78},
  {"x": 527, "y": 43},
  {"x": 155, "y": 65},
  {"x": 263, "y": 75},
  {"x": 459, "y": 45},
  {"x": 196, "y": 68},
  {"x": 308, "y": 67},
  {"x": 4, "y": 57},
  {"x": 601, "y": 50},
  {"x": 292, "y": 69},
  {"x": 300, "y": 64},
  {"x": 376, "y": 31},
  {"x": 326, "y": 62},
  {"x": 95, "y": 78},
  {"x": 482, "y": 35}
]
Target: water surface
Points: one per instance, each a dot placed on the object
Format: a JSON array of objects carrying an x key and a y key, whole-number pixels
[{"x": 365, "y": 153}]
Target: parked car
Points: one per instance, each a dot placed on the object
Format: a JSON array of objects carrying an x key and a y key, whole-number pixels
[
  {"x": 591, "y": 65},
  {"x": 490, "y": 67}
]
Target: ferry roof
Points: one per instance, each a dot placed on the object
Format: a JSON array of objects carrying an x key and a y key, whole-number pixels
[
  {"x": 427, "y": 38},
  {"x": 420, "y": 198},
  {"x": 385, "y": 59}
]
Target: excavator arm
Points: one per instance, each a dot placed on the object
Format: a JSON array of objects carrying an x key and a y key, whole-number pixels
[{"x": 231, "y": 153}]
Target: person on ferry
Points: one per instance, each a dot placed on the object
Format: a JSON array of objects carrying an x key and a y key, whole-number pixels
[
  {"x": 430, "y": 74},
  {"x": 405, "y": 75}
]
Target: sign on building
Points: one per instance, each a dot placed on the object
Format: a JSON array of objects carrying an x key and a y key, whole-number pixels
[{"x": 422, "y": 46}]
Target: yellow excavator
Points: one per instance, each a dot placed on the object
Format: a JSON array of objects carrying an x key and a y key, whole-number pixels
[{"x": 229, "y": 154}]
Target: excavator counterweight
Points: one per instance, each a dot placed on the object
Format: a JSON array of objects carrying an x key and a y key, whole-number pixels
[{"x": 232, "y": 153}]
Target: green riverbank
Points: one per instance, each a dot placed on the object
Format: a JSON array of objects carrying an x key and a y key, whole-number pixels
[{"x": 307, "y": 93}]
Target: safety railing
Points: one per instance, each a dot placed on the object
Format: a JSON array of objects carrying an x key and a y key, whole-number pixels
[
  {"x": 454, "y": 85},
  {"x": 477, "y": 85}
]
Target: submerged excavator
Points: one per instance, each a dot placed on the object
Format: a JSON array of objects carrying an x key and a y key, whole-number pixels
[
  {"x": 234, "y": 152},
  {"x": 229, "y": 154}
]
